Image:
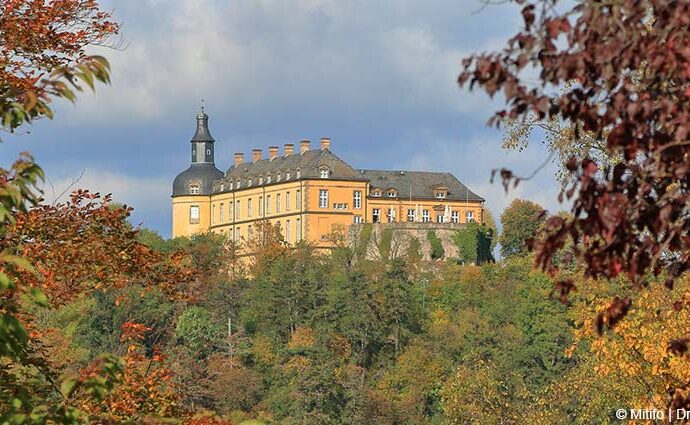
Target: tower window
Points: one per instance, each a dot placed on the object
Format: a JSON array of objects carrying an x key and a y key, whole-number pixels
[
  {"x": 194, "y": 214},
  {"x": 323, "y": 198},
  {"x": 194, "y": 189}
]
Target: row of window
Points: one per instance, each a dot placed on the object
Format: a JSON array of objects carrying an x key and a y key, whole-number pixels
[
  {"x": 392, "y": 193},
  {"x": 263, "y": 205},
  {"x": 260, "y": 180},
  {"x": 238, "y": 233},
  {"x": 356, "y": 200},
  {"x": 412, "y": 216}
]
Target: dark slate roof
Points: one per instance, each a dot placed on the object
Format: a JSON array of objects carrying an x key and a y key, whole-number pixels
[
  {"x": 202, "y": 133},
  {"x": 202, "y": 173},
  {"x": 422, "y": 184},
  {"x": 308, "y": 163}
]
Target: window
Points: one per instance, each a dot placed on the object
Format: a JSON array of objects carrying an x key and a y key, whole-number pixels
[
  {"x": 194, "y": 214},
  {"x": 298, "y": 199},
  {"x": 230, "y": 211},
  {"x": 194, "y": 189},
  {"x": 250, "y": 232},
  {"x": 323, "y": 173},
  {"x": 440, "y": 195},
  {"x": 278, "y": 202},
  {"x": 357, "y": 199},
  {"x": 237, "y": 183},
  {"x": 222, "y": 186},
  {"x": 376, "y": 193},
  {"x": 299, "y": 173},
  {"x": 261, "y": 206},
  {"x": 222, "y": 212},
  {"x": 237, "y": 210},
  {"x": 425, "y": 216},
  {"x": 249, "y": 182},
  {"x": 410, "y": 215},
  {"x": 278, "y": 175},
  {"x": 392, "y": 194},
  {"x": 238, "y": 234},
  {"x": 287, "y": 175},
  {"x": 249, "y": 207},
  {"x": 340, "y": 206},
  {"x": 287, "y": 201},
  {"x": 231, "y": 185},
  {"x": 323, "y": 198},
  {"x": 454, "y": 217},
  {"x": 213, "y": 214},
  {"x": 299, "y": 229},
  {"x": 469, "y": 216},
  {"x": 261, "y": 180},
  {"x": 287, "y": 230},
  {"x": 391, "y": 215},
  {"x": 358, "y": 219},
  {"x": 439, "y": 218},
  {"x": 376, "y": 215},
  {"x": 268, "y": 178},
  {"x": 268, "y": 204}
]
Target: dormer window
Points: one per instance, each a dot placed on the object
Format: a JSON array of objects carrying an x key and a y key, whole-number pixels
[
  {"x": 287, "y": 175},
  {"x": 249, "y": 182},
  {"x": 299, "y": 173},
  {"x": 194, "y": 189},
  {"x": 268, "y": 178},
  {"x": 231, "y": 186},
  {"x": 324, "y": 172},
  {"x": 391, "y": 193},
  {"x": 239, "y": 184},
  {"x": 440, "y": 192},
  {"x": 261, "y": 180},
  {"x": 222, "y": 186},
  {"x": 278, "y": 176},
  {"x": 376, "y": 193}
]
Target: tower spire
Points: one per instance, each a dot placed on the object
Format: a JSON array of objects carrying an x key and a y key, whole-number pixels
[{"x": 202, "y": 141}]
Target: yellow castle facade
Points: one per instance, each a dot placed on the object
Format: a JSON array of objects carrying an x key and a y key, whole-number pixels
[{"x": 308, "y": 192}]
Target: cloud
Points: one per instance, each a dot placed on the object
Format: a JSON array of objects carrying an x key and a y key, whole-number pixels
[{"x": 150, "y": 197}]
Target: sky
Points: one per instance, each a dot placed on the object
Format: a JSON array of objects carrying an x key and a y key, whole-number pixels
[{"x": 378, "y": 78}]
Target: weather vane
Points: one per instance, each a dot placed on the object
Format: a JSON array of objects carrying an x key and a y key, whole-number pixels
[{"x": 202, "y": 104}]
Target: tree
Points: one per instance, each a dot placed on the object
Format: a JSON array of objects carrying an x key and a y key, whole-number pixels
[
  {"x": 624, "y": 67},
  {"x": 42, "y": 54},
  {"x": 490, "y": 223},
  {"x": 520, "y": 221},
  {"x": 474, "y": 244}
]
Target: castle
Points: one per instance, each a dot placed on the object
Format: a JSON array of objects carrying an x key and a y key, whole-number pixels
[{"x": 308, "y": 193}]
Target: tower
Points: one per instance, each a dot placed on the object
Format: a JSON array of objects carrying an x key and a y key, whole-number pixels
[{"x": 192, "y": 188}]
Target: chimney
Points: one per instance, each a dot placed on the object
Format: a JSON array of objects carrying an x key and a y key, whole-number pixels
[
  {"x": 325, "y": 143},
  {"x": 289, "y": 149},
  {"x": 256, "y": 155},
  {"x": 272, "y": 152},
  {"x": 239, "y": 158},
  {"x": 303, "y": 146}
]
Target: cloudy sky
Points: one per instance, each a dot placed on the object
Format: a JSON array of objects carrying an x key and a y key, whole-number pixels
[{"x": 376, "y": 77}]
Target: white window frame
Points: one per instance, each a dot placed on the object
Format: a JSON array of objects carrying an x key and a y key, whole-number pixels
[
  {"x": 426, "y": 218},
  {"x": 194, "y": 214},
  {"x": 287, "y": 201},
  {"x": 278, "y": 203},
  {"x": 391, "y": 194},
  {"x": 298, "y": 226},
  {"x": 268, "y": 204},
  {"x": 238, "y": 211},
  {"x": 323, "y": 173},
  {"x": 454, "y": 217},
  {"x": 390, "y": 215},
  {"x": 440, "y": 218},
  {"x": 298, "y": 199},
  {"x": 376, "y": 215},
  {"x": 323, "y": 198},
  {"x": 358, "y": 219},
  {"x": 261, "y": 206},
  {"x": 440, "y": 195},
  {"x": 357, "y": 200},
  {"x": 411, "y": 213},
  {"x": 469, "y": 215},
  {"x": 194, "y": 189},
  {"x": 222, "y": 212},
  {"x": 249, "y": 208}
]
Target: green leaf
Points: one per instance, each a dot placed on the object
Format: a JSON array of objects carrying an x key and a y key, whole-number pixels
[{"x": 68, "y": 385}]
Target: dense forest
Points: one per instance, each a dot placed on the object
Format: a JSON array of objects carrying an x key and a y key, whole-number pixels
[{"x": 301, "y": 336}]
